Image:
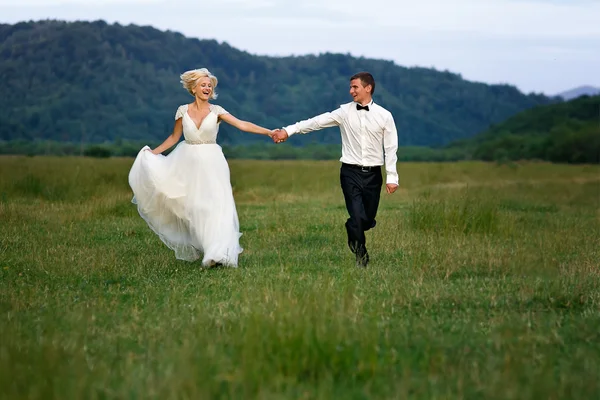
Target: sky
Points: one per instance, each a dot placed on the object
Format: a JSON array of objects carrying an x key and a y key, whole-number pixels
[{"x": 541, "y": 46}]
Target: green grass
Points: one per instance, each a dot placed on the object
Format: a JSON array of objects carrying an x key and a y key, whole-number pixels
[{"x": 484, "y": 283}]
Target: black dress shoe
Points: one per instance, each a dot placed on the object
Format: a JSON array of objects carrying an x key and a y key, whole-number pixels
[{"x": 362, "y": 257}]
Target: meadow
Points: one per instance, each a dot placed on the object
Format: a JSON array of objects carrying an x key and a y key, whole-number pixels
[{"x": 484, "y": 282}]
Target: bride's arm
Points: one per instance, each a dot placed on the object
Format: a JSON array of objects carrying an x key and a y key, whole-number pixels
[
  {"x": 172, "y": 139},
  {"x": 245, "y": 125}
]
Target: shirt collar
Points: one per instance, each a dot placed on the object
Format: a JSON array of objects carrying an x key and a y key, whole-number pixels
[{"x": 368, "y": 104}]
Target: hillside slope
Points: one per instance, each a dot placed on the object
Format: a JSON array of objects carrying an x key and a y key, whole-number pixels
[{"x": 95, "y": 82}]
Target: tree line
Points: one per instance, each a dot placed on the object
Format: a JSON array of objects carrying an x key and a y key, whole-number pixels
[
  {"x": 93, "y": 82},
  {"x": 567, "y": 132}
]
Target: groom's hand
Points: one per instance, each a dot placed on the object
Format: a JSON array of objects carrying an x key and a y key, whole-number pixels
[
  {"x": 280, "y": 136},
  {"x": 391, "y": 188}
]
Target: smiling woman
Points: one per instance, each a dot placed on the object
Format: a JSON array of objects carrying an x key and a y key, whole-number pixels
[{"x": 186, "y": 197}]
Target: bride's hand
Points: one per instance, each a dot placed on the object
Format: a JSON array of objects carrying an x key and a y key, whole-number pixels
[{"x": 280, "y": 136}]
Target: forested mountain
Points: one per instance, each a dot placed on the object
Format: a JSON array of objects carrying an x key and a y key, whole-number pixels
[
  {"x": 564, "y": 132},
  {"x": 94, "y": 82}
]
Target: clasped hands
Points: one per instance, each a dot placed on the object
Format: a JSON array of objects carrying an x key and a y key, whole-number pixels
[{"x": 278, "y": 135}]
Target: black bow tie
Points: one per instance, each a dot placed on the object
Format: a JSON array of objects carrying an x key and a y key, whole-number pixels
[{"x": 359, "y": 107}]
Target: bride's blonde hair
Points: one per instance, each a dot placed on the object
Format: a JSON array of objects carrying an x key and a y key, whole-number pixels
[{"x": 190, "y": 78}]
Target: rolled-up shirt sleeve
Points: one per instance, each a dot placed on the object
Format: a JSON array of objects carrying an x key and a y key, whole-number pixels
[
  {"x": 325, "y": 120},
  {"x": 390, "y": 147}
]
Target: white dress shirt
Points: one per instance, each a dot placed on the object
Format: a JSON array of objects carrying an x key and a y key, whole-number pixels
[{"x": 369, "y": 138}]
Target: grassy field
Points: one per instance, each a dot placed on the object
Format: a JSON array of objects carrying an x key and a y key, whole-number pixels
[{"x": 484, "y": 282}]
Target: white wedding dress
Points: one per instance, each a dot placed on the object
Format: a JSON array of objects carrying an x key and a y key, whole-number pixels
[{"x": 186, "y": 197}]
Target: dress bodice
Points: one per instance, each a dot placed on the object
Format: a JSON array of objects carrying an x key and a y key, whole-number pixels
[{"x": 208, "y": 129}]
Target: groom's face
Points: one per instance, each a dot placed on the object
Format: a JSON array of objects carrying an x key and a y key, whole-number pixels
[{"x": 359, "y": 92}]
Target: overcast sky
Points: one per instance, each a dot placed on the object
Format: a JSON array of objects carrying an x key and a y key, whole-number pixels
[{"x": 538, "y": 45}]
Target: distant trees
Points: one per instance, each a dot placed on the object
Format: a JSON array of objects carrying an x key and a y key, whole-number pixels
[
  {"x": 98, "y": 89},
  {"x": 93, "y": 81},
  {"x": 567, "y": 132}
]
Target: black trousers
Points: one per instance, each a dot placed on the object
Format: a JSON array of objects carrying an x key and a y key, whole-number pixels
[{"x": 362, "y": 190}]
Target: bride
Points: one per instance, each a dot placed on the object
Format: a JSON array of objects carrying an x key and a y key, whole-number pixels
[{"x": 186, "y": 197}]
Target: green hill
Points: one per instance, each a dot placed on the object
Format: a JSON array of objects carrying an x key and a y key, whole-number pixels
[
  {"x": 94, "y": 82},
  {"x": 564, "y": 132}
]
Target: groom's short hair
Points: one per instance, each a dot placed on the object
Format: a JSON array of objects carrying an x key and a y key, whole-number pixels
[{"x": 366, "y": 78}]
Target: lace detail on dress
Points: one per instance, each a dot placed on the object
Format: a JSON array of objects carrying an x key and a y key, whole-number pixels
[
  {"x": 180, "y": 111},
  {"x": 218, "y": 109}
]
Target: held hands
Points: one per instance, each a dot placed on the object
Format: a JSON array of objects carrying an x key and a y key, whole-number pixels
[{"x": 279, "y": 136}]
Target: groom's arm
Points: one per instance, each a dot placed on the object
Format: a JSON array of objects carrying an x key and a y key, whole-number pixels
[
  {"x": 325, "y": 120},
  {"x": 390, "y": 148}
]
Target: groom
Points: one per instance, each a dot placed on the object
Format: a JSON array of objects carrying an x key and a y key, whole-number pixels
[{"x": 369, "y": 140}]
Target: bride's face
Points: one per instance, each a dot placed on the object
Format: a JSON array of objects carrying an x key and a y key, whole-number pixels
[{"x": 203, "y": 89}]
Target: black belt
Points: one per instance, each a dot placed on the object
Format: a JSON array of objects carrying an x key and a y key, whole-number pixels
[{"x": 362, "y": 167}]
